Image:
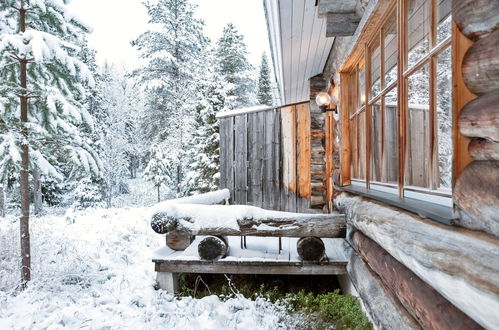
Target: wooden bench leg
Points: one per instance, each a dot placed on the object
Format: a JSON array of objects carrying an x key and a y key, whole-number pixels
[{"x": 167, "y": 281}]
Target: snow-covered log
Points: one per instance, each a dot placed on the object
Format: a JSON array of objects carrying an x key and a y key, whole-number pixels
[
  {"x": 425, "y": 304},
  {"x": 310, "y": 248},
  {"x": 481, "y": 65},
  {"x": 178, "y": 241},
  {"x": 213, "y": 248},
  {"x": 476, "y": 18},
  {"x": 480, "y": 117},
  {"x": 242, "y": 220},
  {"x": 482, "y": 149},
  {"x": 476, "y": 196},
  {"x": 460, "y": 264}
]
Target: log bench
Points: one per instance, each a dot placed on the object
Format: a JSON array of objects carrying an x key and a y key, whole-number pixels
[{"x": 207, "y": 232}]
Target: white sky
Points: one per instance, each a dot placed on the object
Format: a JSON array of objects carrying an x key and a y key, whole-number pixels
[{"x": 117, "y": 22}]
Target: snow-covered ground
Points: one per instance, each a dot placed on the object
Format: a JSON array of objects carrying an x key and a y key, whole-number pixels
[{"x": 92, "y": 269}]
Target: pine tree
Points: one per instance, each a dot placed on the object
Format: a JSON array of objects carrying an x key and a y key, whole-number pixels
[
  {"x": 173, "y": 52},
  {"x": 160, "y": 169},
  {"x": 264, "y": 95},
  {"x": 235, "y": 69},
  {"x": 43, "y": 80},
  {"x": 204, "y": 169}
]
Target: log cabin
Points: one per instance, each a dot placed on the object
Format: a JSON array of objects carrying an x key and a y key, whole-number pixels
[{"x": 407, "y": 149}]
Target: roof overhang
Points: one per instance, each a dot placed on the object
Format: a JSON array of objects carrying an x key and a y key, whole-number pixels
[{"x": 298, "y": 44}]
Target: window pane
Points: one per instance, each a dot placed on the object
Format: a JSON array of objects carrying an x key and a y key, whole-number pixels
[
  {"x": 375, "y": 71},
  {"x": 418, "y": 129},
  {"x": 444, "y": 28},
  {"x": 376, "y": 155},
  {"x": 354, "y": 147},
  {"x": 362, "y": 86},
  {"x": 390, "y": 165},
  {"x": 418, "y": 29},
  {"x": 390, "y": 44},
  {"x": 362, "y": 145},
  {"x": 444, "y": 118}
]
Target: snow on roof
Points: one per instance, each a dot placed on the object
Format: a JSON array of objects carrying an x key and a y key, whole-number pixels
[{"x": 241, "y": 111}]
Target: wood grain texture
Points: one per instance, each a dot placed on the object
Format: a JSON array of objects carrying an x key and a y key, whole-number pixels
[
  {"x": 178, "y": 241},
  {"x": 310, "y": 248},
  {"x": 427, "y": 306},
  {"x": 476, "y": 196},
  {"x": 480, "y": 117},
  {"x": 482, "y": 149},
  {"x": 385, "y": 310},
  {"x": 476, "y": 18},
  {"x": 460, "y": 264},
  {"x": 303, "y": 137},
  {"x": 481, "y": 65},
  {"x": 241, "y": 166}
]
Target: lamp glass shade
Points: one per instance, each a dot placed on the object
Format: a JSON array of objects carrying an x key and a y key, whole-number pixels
[{"x": 322, "y": 99}]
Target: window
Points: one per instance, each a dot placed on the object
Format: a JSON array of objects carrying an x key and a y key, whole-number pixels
[{"x": 411, "y": 107}]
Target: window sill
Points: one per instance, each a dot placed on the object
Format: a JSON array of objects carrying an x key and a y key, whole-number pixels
[{"x": 440, "y": 213}]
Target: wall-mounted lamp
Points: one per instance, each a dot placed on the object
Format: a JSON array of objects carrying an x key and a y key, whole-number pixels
[{"x": 323, "y": 100}]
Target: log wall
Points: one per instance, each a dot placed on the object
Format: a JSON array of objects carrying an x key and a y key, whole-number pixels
[{"x": 265, "y": 158}]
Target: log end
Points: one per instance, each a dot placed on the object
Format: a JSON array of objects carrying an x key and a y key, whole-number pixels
[
  {"x": 178, "y": 241},
  {"x": 213, "y": 248},
  {"x": 310, "y": 248},
  {"x": 162, "y": 223}
]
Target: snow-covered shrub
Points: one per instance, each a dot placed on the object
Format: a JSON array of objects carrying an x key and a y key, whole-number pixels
[{"x": 87, "y": 194}]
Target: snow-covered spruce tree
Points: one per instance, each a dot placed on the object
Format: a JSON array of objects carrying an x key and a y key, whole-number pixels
[
  {"x": 234, "y": 67},
  {"x": 264, "y": 94},
  {"x": 173, "y": 52},
  {"x": 161, "y": 168},
  {"x": 42, "y": 82},
  {"x": 204, "y": 169}
]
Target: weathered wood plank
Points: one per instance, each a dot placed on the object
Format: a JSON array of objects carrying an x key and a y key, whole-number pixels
[
  {"x": 288, "y": 133},
  {"x": 230, "y": 156},
  {"x": 223, "y": 266},
  {"x": 481, "y": 65},
  {"x": 480, "y": 117},
  {"x": 255, "y": 158},
  {"x": 223, "y": 152},
  {"x": 303, "y": 154},
  {"x": 241, "y": 157},
  {"x": 384, "y": 308},
  {"x": 460, "y": 264},
  {"x": 268, "y": 157},
  {"x": 476, "y": 18},
  {"x": 482, "y": 149},
  {"x": 277, "y": 162},
  {"x": 476, "y": 196},
  {"x": 425, "y": 304}
]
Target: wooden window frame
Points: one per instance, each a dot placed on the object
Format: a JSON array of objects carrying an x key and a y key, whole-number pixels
[{"x": 460, "y": 155}]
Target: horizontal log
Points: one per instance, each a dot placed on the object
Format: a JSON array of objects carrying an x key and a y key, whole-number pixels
[
  {"x": 241, "y": 220},
  {"x": 426, "y": 305},
  {"x": 385, "y": 310},
  {"x": 480, "y": 117},
  {"x": 476, "y": 18},
  {"x": 460, "y": 264},
  {"x": 482, "y": 149},
  {"x": 213, "y": 248},
  {"x": 480, "y": 67},
  {"x": 476, "y": 195},
  {"x": 310, "y": 248}
]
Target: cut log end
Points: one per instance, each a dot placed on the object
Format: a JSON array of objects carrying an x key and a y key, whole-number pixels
[
  {"x": 162, "y": 223},
  {"x": 310, "y": 248},
  {"x": 213, "y": 248},
  {"x": 178, "y": 241}
]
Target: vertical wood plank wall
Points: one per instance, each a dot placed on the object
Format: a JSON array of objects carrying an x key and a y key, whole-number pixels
[{"x": 265, "y": 158}]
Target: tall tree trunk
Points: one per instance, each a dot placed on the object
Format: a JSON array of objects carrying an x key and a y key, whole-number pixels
[
  {"x": 2, "y": 201},
  {"x": 159, "y": 196},
  {"x": 37, "y": 190},
  {"x": 24, "y": 177}
]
